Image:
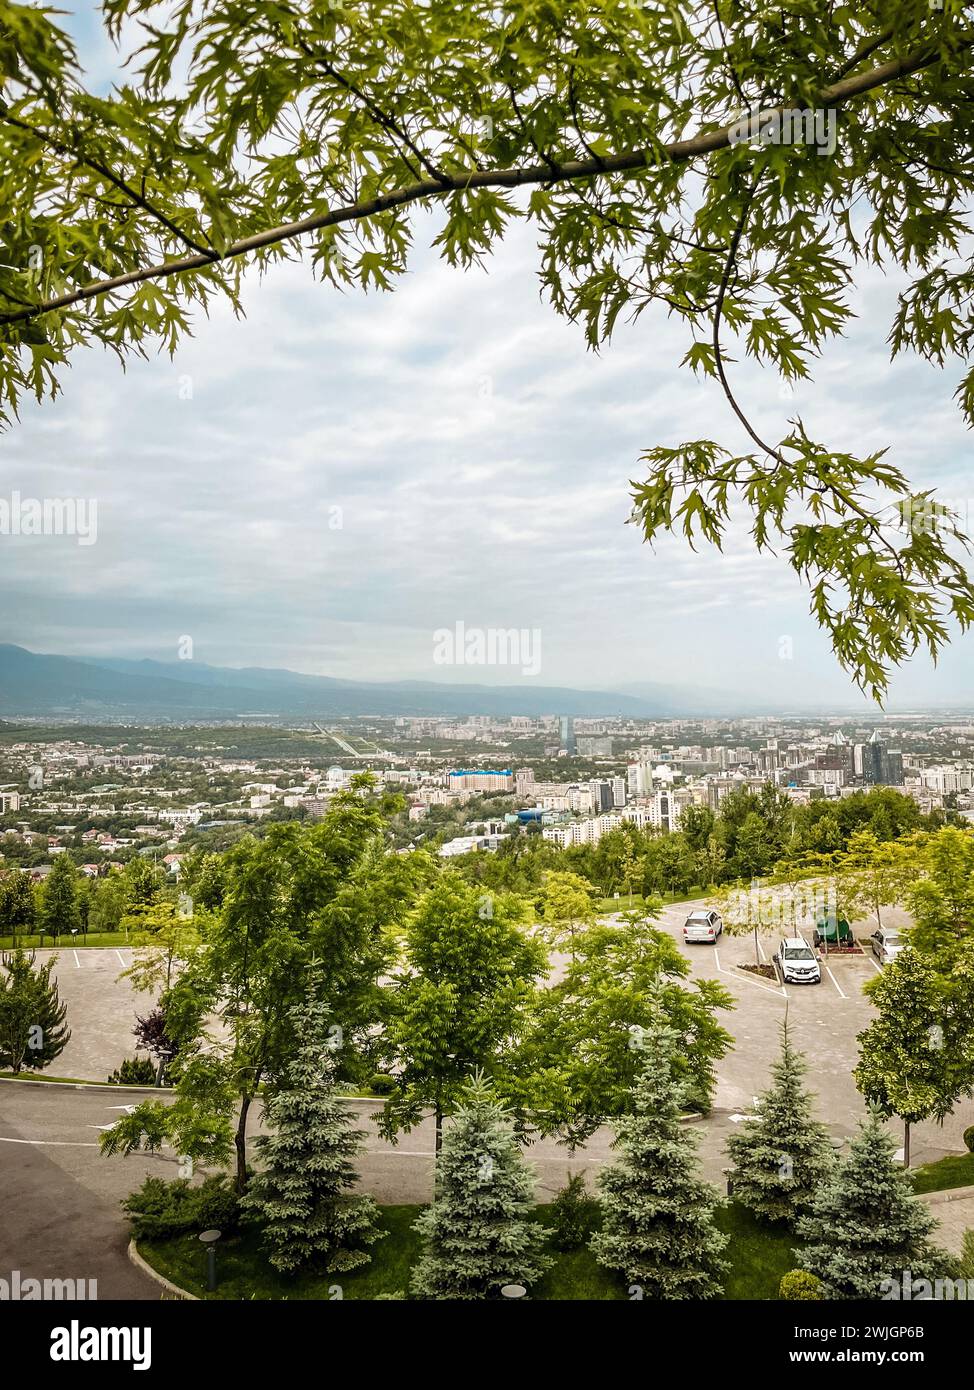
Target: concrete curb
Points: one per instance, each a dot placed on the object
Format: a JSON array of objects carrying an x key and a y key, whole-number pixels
[
  {"x": 140, "y": 1090},
  {"x": 947, "y": 1194},
  {"x": 88, "y": 1086},
  {"x": 172, "y": 1289}
]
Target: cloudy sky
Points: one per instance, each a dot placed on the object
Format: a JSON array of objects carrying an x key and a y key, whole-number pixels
[{"x": 327, "y": 483}]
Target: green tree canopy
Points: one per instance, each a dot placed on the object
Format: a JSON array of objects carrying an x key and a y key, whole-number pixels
[
  {"x": 916, "y": 1057},
  {"x": 586, "y": 1042},
  {"x": 865, "y": 1225},
  {"x": 478, "y": 1233},
  {"x": 59, "y": 898},
  {"x": 658, "y": 1227},
  {"x": 459, "y": 999}
]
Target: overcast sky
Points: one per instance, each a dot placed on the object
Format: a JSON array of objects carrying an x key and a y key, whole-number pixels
[{"x": 477, "y": 458}]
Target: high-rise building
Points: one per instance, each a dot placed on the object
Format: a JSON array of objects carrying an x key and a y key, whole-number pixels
[
  {"x": 567, "y": 732},
  {"x": 640, "y": 777},
  {"x": 877, "y": 765},
  {"x": 602, "y": 798}
]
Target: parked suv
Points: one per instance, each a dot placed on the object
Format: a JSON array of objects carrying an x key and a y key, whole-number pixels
[
  {"x": 702, "y": 925},
  {"x": 797, "y": 962}
]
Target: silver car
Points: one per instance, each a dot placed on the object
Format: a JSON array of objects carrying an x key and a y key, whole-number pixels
[
  {"x": 702, "y": 925},
  {"x": 886, "y": 944}
]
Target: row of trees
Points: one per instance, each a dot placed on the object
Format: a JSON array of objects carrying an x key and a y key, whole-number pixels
[
  {"x": 855, "y": 1219},
  {"x": 68, "y": 901},
  {"x": 428, "y": 977},
  {"x": 425, "y": 978},
  {"x": 917, "y": 1054},
  {"x": 750, "y": 835}
]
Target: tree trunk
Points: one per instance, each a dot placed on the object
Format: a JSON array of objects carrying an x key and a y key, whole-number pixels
[
  {"x": 906, "y": 1143},
  {"x": 438, "y": 1123},
  {"x": 240, "y": 1143}
]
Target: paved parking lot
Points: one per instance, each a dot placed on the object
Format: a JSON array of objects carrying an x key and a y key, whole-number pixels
[
  {"x": 49, "y": 1134},
  {"x": 101, "y": 1010},
  {"x": 825, "y": 1020}
]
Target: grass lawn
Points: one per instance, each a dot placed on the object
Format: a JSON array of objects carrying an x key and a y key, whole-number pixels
[
  {"x": 26, "y": 1075},
  {"x": 623, "y": 903},
  {"x": 758, "y": 1258},
  {"x": 957, "y": 1170},
  {"x": 78, "y": 943}
]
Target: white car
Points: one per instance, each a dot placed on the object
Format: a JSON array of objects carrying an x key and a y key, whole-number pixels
[
  {"x": 797, "y": 962},
  {"x": 703, "y": 925},
  {"x": 886, "y": 944}
]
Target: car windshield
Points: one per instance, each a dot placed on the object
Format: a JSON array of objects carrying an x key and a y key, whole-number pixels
[
  {"x": 699, "y": 919},
  {"x": 798, "y": 953}
]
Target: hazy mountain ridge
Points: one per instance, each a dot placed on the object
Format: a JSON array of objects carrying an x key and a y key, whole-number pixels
[{"x": 31, "y": 683}]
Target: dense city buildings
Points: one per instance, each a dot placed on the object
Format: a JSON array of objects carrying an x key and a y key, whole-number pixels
[{"x": 107, "y": 795}]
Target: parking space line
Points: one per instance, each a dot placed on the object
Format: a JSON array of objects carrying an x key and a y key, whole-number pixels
[
  {"x": 54, "y": 1143},
  {"x": 874, "y": 965},
  {"x": 121, "y": 958},
  {"x": 76, "y": 960},
  {"x": 835, "y": 982},
  {"x": 745, "y": 976}
]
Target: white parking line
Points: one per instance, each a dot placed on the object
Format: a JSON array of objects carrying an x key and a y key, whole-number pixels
[
  {"x": 76, "y": 960},
  {"x": 121, "y": 958},
  {"x": 745, "y": 976},
  {"x": 874, "y": 965},
  {"x": 834, "y": 981},
  {"x": 54, "y": 1143}
]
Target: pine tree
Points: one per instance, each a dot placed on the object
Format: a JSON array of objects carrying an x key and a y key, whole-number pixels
[
  {"x": 658, "y": 1228},
  {"x": 780, "y": 1154},
  {"x": 865, "y": 1224},
  {"x": 478, "y": 1233},
  {"x": 302, "y": 1195},
  {"x": 32, "y": 1017}
]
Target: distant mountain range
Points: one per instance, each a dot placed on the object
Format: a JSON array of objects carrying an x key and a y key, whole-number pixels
[{"x": 33, "y": 684}]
